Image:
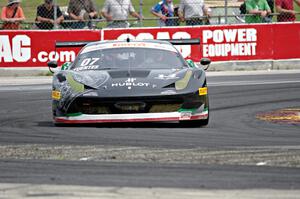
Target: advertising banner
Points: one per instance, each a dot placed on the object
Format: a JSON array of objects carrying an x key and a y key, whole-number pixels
[
  {"x": 189, "y": 52},
  {"x": 36, "y": 48},
  {"x": 286, "y": 41},
  {"x": 219, "y": 43},
  {"x": 226, "y": 43}
]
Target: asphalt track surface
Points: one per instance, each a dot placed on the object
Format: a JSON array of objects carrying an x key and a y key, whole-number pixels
[{"x": 25, "y": 121}]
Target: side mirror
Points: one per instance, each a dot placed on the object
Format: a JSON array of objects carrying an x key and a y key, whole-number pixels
[
  {"x": 205, "y": 62},
  {"x": 52, "y": 64}
]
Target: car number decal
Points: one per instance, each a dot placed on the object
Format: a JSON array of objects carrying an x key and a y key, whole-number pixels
[{"x": 89, "y": 61}]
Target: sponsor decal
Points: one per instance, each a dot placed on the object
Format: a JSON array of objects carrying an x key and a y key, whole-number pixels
[
  {"x": 17, "y": 50},
  {"x": 129, "y": 83},
  {"x": 185, "y": 115},
  {"x": 166, "y": 77},
  {"x": 81, "y": 68},
  {"x": 65, "y": 66},
  {"x": 88, "y": 64},
  {"x": 56, "y": 95},
  {"x": 30, "y": 48},
  {"x": 128, "y": 45},
  {"x": 229, "y": 42},
  {"x": 203, "y": 91},
  {"x": 62, "y": 56},
  {"x": 185, "y": 50},
  {"x": 168, "y": 92}
]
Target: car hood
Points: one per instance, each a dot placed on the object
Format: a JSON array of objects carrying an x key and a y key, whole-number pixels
[{"x": 138, "y": 81}]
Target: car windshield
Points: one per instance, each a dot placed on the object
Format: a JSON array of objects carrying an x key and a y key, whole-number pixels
[{"x": 139, "y": 58}]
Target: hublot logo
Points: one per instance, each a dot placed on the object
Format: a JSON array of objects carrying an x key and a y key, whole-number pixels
[{"x": 129, "y": 83}]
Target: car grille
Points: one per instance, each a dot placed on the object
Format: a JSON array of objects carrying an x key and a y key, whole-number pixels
[{"x": 95, "y": 106}]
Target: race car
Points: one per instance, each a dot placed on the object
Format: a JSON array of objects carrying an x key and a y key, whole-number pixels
[{"x": 130, "y": 81}]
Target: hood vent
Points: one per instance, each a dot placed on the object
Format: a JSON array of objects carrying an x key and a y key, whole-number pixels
[{"x": 127, "y": 73}]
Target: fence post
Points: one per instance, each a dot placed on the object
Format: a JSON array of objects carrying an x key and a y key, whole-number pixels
[
  {"x": 226, "y": 11},
  {"x": 141, "y": 12},
  {"x": 55, "y": 14}
]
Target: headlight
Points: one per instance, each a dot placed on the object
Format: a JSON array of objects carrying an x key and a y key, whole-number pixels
[
  {"x": 92, "y": 79},
  {"x": 75, "y": 85},
  {"x": 182, "y": 84}
]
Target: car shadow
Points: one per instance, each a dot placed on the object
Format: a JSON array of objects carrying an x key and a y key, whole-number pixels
[{"x": 119, "y": 125}]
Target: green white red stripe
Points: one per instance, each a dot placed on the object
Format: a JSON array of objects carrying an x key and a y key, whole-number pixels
[{"x": 139, "y": 117}]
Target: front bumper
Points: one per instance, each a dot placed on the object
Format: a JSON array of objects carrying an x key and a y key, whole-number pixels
[{"x": 137, "y": 117}]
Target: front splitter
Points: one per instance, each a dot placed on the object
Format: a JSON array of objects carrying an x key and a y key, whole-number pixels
[{"x": 139, "y": 117}]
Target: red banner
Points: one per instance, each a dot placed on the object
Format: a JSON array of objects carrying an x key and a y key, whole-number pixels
[
  {"x": 225, "y": 43},
  {"x": 36, "y": 48},
  {"x": 219, "y": 43},
  {"x": 286, "y": 41}
]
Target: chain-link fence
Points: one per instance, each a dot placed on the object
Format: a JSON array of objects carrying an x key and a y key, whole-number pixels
[{"x": 95, "y": 14}]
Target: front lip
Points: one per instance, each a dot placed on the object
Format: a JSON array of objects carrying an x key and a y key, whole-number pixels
[{"x": 139, "y": 117}]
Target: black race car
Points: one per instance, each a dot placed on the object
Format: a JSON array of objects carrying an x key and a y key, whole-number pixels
[{"x": 130, "y": 81}]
